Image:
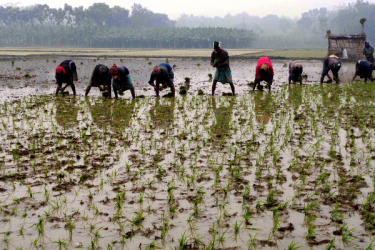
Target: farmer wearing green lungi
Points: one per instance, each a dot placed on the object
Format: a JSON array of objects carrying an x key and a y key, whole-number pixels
[
  {"x": 220, "y": 60},
  {"x": 121, "y": 80}
]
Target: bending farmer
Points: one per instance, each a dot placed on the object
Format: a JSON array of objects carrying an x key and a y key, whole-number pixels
[
  {"x": 66, "y": 72},
  {"x": 162, "y": 74},
  {"x": 331, "y": 64},
  {"x": 364, "y": 69},
  {"x": 121, "y": 81},
  {"x": 295, "y": 72},
  {"x": 98, "y": 78},
  {"x": 263, "y": 72}
]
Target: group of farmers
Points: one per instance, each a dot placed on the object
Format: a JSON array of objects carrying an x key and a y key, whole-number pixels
[{"x": 162, "y": 75}]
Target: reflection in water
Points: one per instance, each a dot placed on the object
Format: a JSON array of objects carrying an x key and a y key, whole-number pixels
[
  {"x": 122, "y": 112},
  {"x": 162, "y": 115},
  {"x": 295, "y": 95},
  {"x": 263, "y": 106},
  {"x": 330, "y": 95},
  {"x": 100, "y": 112},
  {"x": 223, "y": 116},
  {"x": 116, "y": 115},
  {"x": 66, "y": 112}
]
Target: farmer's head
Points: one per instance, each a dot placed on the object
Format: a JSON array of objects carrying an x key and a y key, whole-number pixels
[
  {"x": 217, "y": 46},
  {"x": 367, "y": 44},
  {"x": 298, "y": 67},
  {"x": 103, "y": 70},
  {"x": 264, "y": 69},
  {"x": 60, "y": 70},
  {"x": 156, "y": 71},
  {"x": 338, "y": 66},
  {"x": 114, "y": 71}
]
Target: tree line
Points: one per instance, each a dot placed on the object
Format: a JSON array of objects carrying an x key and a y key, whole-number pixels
[{"x": 103, "y": 26}]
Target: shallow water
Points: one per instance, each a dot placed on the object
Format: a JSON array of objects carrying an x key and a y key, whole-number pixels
[
  {"x": 277, "y": 163},
  {"x": 14, "y": 85}
]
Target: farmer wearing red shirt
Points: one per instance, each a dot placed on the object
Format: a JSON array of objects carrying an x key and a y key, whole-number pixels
[{"x": 263, "y": 72}]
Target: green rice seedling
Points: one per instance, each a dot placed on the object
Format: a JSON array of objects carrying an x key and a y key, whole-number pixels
[
  {"x": 310, "y": 232},
  {"x": 61, "y": 244},
  {"x": 21, "y": 230},
  {"x": 293, "y": 246},
  {"x": 137, "y": 219},
  {"x": 331, "y": 244},
  {"x": 335, "y": 215},
  {"x": 237, "y": 227},
  {"x": 346, "y": 236},
  {"x": 183, "y": 240}
]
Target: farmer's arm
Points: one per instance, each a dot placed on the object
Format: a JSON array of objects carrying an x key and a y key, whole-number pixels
[
  {"x": 226, "y": 61},
  {"x": 271, "y": 80},
  {"x": 109, "y": 89}
]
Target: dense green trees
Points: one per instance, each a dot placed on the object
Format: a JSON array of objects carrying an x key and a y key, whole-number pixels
[
  {"x": 102, "y": 26},
  {"x": 88, "y": 35}
]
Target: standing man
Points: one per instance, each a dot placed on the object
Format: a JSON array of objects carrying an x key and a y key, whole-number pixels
[
  {"x": 295, "y": 72},
  {"x": 331, "y": 64},
  {"x": 368, "y": 52},
  {"x": 220, "y": 61},
  {"x": 263, "y": 72},
  {"x": 121, "y": 80},
  {"x": 66, "y": 72},
  {"x": 99, "y": 78},
  {"x": 364, "y": 69},
  {"x": 162, "y": 74}
]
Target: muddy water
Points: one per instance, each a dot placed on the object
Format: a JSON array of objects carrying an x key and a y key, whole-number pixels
[
  {"x": 182, "y": 173},
  {"x": 13, "y": 84}
]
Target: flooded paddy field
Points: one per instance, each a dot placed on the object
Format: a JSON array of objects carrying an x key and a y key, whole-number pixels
[
  {"x": 280, "y": 170},
  {"x": 21, "y": 78}
]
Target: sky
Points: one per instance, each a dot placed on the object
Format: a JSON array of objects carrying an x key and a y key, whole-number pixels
[{"x": 211, "y": 8}]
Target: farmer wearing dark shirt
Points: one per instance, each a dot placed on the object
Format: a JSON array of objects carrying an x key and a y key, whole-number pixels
[
  {"x": 163, "y": 75},
  {"x": 121, "y": 81},
  {"x": 364, "y": 69},
  {"x": 368, "y": 52},
  {"x": 295, "y": 72},
  {"x": 98, "y": 78},
  {"x": 263, "y": 72},
  {"x": 66, "y": 72},
  {"x": 223, "y": 74},
  {"x": 331, "y": 64}
]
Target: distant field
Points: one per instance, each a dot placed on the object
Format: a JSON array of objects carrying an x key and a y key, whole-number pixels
[
  {"x": 121, "y": 52},
  {"x": 296, "y": 53}
]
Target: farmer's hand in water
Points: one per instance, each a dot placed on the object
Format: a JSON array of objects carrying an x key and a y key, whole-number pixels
[
  {"x": 164, "y": 85},
  {"x": 156, "y": 89},
  {"x": 100, "y": 89}
]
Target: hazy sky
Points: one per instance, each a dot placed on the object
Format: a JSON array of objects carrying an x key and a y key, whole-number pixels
[{"x": 174, "y": 8}]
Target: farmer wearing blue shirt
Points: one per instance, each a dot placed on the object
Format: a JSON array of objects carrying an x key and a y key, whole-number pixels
[
  {"x": 368, "y": 52},
  {"x": 364, "y": 70}
]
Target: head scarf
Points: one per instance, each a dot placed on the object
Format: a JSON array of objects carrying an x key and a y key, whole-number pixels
[
  {"x": 216, "y": 45},
  {"x": 60, "y": 70},
  {"x": 367, "y": 44},
  {"x": 334, "y": 56},
  {"x": 113, "y": 70},
  {"x": 298, "y": 66}
]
